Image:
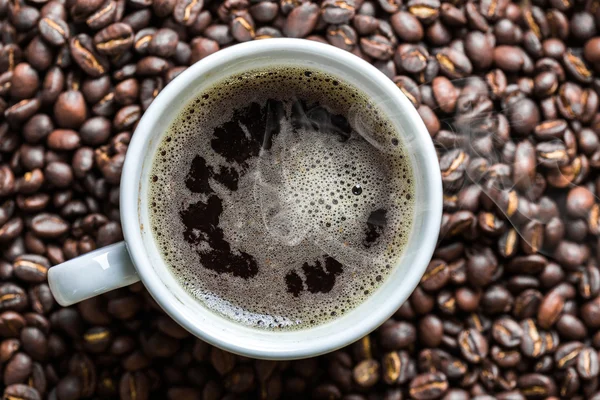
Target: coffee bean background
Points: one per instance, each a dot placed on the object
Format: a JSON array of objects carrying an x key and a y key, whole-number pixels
[{"x": 510, "y": 305}]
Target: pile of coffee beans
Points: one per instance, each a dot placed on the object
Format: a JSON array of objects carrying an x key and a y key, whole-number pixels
[{"x": 510, "y": 305}]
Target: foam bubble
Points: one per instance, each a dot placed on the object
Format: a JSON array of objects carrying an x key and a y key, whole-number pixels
[{"x": 316, "y": 213}]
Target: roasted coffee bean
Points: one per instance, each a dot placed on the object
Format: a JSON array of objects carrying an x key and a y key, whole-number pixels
[
  {"x": 114, "y": 39},
  {"x": 70, "y": 109},
  {"x": 550, "y": 309},
  {"x": 21, "y": 392},
  {"x": 566, "y": 355},
  {"x": 301, "y": 20},
  {"x": 436, "y": 275},
  {"x": 186, "y": 11},
  {"x": 17, "y": 369},
  {"x": 366, "y": 373},
  {"x": 31, "y": 268},
  {"x": 536, "y": 385},
  {"x": 48, "y": 225},
  {"x": 84, "y": 54},
  {"x": 473, "y": 345},
  {"x": 54, "y": 30},
  {"x": 587, "y": 363},
  {"x": 428, "y": 386},
  {"x": 342, "y": 36},
  {"x": 163, "y": 43}
]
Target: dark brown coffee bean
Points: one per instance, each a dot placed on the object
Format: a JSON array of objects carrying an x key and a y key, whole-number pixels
[
  {"x": 445, "y": 94},
  {"x": 425, "y": 10},
  {"x": 453, "y": 64},
  {"x": 126, "y": 117},
  {"x": 301, "y": 20},
  {"x": 21, "y": 391},
  {"x": 25, "y": 81},
  {"x": 342, "y": 36},
  {"x": 70, "y": 109},
  {"x": 550, "y": 309},
  {"x": 576, "y": 67},
  {"x": 23, "y": 110},
  {"x": 566, "y": 355},
  {"x": 186, "y": 11},
  {"x": 52, "y": 85},
  {"x": 31, "y": 268},
  {"x": 366, "y": 373},
  {"x": 436, "y": 275},
  {"x": 8, "y": 348},
  {"x": 407, "y": 26},
  {"x": 587, "y": 363},
  {"x": 17, "y": 369},
  {"x": 85, "y": 56},
  {"x": 34, "y": 343},
  {"x": 536, "y": 384},
  {"x": 395, "y": 336},
  {"x": 428, "y": 386},
  {"x": 507, "y": 332},
  {"x": 58, "y": 174},
  {"x": 479, "y": 48},
  {"x": 69, "y": 387},
  {"x": 473, "y": 345},
  {"x": 114, "y": 39},
  {"x": 452, "y": 16},
  {"x": 54, "y": 30},
  {"x": 138, "y": 19},
  {"x": 149, "y": 66},
  {"x": 48, "y": 225},
  {"x": 7, "y": 185},
  {"x": 41, "y": 299},
  {"x": 63, "y": 139},
  {"x": 532, "y": 343},
  {"x": 109, "y": 12},
  {"x": 97, "y": 340}
]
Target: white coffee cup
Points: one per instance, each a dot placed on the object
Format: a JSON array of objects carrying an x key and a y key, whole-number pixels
[{"x": 138, "y": 257}]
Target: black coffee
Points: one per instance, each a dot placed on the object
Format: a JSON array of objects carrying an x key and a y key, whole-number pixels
[{"x": 281, "y": 198}]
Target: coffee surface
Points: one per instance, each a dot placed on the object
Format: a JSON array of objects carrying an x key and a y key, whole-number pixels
[{"x": 281, "y": 198}]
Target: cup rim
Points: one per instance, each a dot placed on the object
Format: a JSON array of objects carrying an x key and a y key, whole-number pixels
[{"x": 131, "y": 188}]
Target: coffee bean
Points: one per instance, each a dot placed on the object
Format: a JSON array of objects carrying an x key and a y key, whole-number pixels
[
  {"x": 34, "y": 343},
  {"x": 536, "y": 384},
  {"x": 587, "y": 363},
  {"x": 425, "y": 10},
  {"x": 21, "y": 392},
  {"x": 54, "y": 30},
  {"x": 186, "y": 11},
  {"x": 550, "y": 309},
  {"x": 366, "y": 373},
  {"x": 31, "y": 268},
  {"x": 48, "y": 225},
  {"x": 24, "y": 82},
  {"x": 17, "y": 369},
  {"x": 397, "y": 335},
  {"x": 114, "y": 39},
  {"x": 479, "y": 49},
  {"x": 105, "y": 15},
  {"x": 473, "y": 345},
  {"x": 301, "y": 20},
  {"x": 69, "y": 388},
  {"x": 428, "y": 386},
  {"x": 84, "y": 54},
  {"x": 70, "y": 109},
  {"x": 453, "y": 64},
  {"x": 566, "y": 355},
  {"x": 23, "y": 110}
]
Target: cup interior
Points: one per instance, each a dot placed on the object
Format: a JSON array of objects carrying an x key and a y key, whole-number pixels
[{"x": 218, "y": 330}]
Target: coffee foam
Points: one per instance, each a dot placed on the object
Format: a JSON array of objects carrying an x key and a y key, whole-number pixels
[{"x": 306, "y": 199}]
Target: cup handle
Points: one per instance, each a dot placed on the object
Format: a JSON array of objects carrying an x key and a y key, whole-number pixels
[{"x": 92, "y": 274}]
